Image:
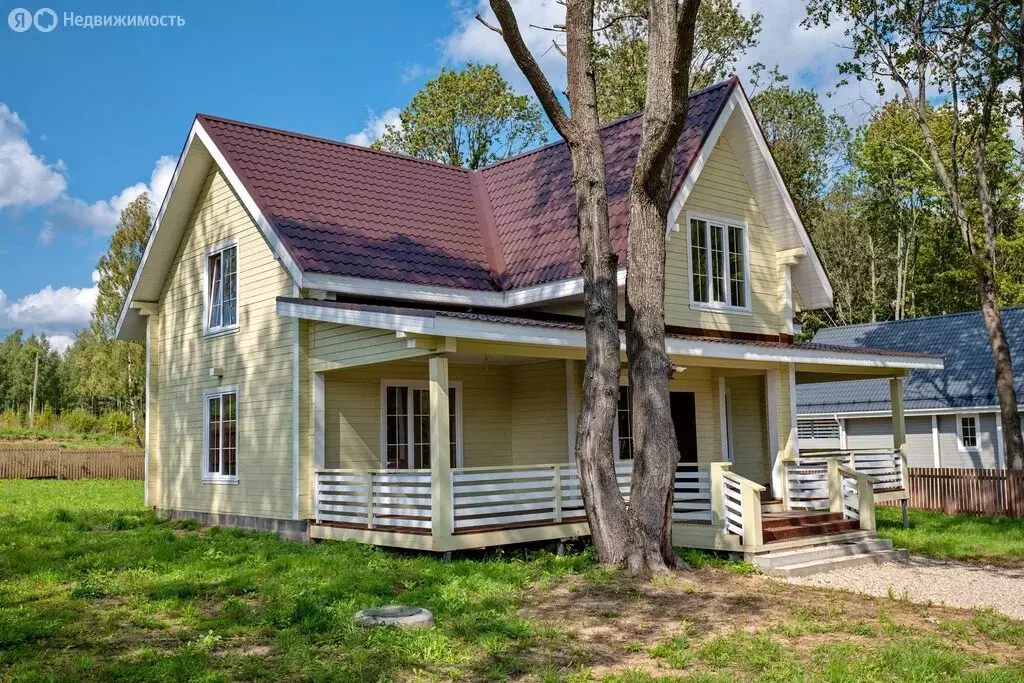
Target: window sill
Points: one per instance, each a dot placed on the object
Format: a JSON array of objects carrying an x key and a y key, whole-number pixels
[
  {"x": 223, "y": 481},
  {"x": 219, "y": 332},
  {"x": 712, "y": 308}
]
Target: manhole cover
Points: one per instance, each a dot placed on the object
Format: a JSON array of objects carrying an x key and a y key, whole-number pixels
[{"x": 395, "y": 615}]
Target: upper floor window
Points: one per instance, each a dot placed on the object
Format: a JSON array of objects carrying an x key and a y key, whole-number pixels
[
  {"x": 718, "y": 264},
  {"x": 222, "y": 288}
]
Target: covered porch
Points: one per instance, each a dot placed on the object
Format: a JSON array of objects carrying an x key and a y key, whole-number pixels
[{"x": 459, "y": 444}]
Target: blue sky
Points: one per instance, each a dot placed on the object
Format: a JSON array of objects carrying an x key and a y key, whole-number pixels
[{"x": 91, "y": 117}]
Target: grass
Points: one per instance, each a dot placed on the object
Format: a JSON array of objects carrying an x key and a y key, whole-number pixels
[
  {"x": 995, "y": 540},
  {"x": 21, "y": 437},
  {"x": 94, "y": 587}
]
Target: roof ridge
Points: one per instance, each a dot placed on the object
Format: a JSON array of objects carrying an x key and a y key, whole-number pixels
[
  {"x": 919, "y": 318},
  {"x": 604, "y": 126},
  {"x": 339, "y": 143}
]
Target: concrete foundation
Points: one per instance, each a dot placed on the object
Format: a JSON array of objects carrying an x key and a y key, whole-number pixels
[{"x": 287, "y": 529}]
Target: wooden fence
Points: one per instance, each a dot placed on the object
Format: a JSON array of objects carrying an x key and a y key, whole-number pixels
[
  {"x": 52, "y": 463},
  {"x": 967, "y": 491}
]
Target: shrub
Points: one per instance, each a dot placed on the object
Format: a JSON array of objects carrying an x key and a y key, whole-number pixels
[
  {"x": 10, "y": 418},
  {"x": 46, "y": 419},
  {"x": 115, "y": 423},
  {"x": 79, "y": 421}
]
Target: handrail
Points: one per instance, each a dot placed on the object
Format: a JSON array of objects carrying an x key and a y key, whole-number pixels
[
  {"x": 363, "y": 470},
  {"x": 856, "y": 501},
  {"x": 740, "y": 506}
]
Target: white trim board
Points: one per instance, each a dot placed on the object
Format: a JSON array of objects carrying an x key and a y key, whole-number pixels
[
  {"x": 853, "y": 414},
  {"x": 562, "y": 337}
]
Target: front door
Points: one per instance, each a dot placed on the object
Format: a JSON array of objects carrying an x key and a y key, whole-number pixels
[{"x": 684, "y": 417}]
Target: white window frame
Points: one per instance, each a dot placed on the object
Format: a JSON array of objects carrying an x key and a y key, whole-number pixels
[
  {"x": 209, "y": 331},
  {"x": 416, "y": 384},
  {"x": 216, "y": 477},
  {"x": 960, "y": 433},
  {"x": 726, "y": 223}
]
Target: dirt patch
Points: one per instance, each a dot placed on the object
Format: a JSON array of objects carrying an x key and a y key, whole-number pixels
[{"x": 612, "y": 626}]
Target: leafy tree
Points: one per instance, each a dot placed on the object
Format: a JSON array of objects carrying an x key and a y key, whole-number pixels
[
  {"x": 118, "y": 264},
  {"x": 723, "y": 35},
  {"x": 467, "y": 118},
  {"x": 808, "y": 144},
  {"x": 960, "y": 49}
]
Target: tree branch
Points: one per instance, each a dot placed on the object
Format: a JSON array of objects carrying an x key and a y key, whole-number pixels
[{"x": 509, "y": 31}]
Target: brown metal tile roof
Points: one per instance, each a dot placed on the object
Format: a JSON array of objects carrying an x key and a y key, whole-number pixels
[{"x": 346, "y": 210}]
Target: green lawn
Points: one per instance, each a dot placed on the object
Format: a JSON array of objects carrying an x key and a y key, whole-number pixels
[
  {"x": 996, "y": 540},
  {"x": 94, "y": 587}
]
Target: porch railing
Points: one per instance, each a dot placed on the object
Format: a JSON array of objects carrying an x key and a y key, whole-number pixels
[
  {"x": 375, "y": 498},
  {"x": 885, "y": 467}
]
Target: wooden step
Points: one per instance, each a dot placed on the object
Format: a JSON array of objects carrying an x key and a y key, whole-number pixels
[
  {"x": 783, "y": 533},
  {"x": 778, "y": 520}
]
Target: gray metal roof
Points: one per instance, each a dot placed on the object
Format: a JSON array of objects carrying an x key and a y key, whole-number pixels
[{"x": 968, "y": 380}]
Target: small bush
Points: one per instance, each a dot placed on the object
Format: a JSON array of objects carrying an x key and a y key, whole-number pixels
[
  {"x": 45, "y": 419},
  {"x": 79, "y": 421},
  {"x": 115, "y": 423},
  {"x": 10, "y": 418}
]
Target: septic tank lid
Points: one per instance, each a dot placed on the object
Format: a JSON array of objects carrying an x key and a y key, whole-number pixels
[{"x": 395, "y": 615}]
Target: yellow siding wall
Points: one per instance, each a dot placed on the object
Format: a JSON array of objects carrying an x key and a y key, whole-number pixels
[
  {"x": 511, "y": 414},
  {"x": 257, "y": 359},
  {"x": 749, "y": 431},
  {"x": 337, "y": 346},
  {"x": 721, "y": 191}
]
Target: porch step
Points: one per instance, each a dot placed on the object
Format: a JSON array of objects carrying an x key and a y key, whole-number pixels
[
  {"x": 828, "y": 557},
  {"x": 781, "y": 527},
  {"x": 771, "y": 505}
]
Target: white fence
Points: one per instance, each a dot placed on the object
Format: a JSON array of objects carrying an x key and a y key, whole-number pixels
[
  {"x": 884, "y": 467},
  {"x": 484, "y": 498},
  {"x": 379, "y": 498}
]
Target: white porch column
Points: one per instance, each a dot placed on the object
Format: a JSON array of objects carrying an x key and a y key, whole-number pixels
[
  {"x": 440, "y": 450},
  {"x": 319, "y": 411},
  {"x": 899, "y": 426},
  {"x": 771, "y": 399}
]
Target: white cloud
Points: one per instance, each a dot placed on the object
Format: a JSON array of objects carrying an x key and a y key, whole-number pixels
[
  {"x": 60, "y": 342},
  {"x": 374, "y": 127},
  {"x": 102, "y": 215},
  {"x": 58, "y": 313},
  {"x": 46, "y": 235},
  {"x": 472, "y": 41},
  {"x": 26, "y": 179}
]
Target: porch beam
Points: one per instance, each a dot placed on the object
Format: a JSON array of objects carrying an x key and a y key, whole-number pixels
[
  {"x": 899, "y": 425},
  {"x": 440, "y": 451}
]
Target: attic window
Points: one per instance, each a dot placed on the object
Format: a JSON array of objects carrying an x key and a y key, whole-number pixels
[
  {"x": 222, "y": 289},
  {"x": 718, "y": 264}
]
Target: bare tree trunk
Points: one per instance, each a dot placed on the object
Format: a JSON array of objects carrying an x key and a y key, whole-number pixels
[
  {"x": 988, "y": 294},
  {"x": 655, "y": 451},
  {"x": 606, "y": 510},
  {"x": 637, "y": 536},
  {"x": 873, "y": 278}
]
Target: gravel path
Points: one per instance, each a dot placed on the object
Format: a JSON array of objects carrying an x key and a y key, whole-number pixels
[{"x": 954, "y": 584}]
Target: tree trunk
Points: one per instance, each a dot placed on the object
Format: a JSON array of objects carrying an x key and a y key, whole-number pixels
[
  {"x": 988, "y": 294},
  {"x": 635, "y": 536},
  {"x": 655, "y": 451}
]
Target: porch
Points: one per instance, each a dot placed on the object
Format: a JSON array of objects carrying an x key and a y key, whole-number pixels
[{"x": 827, "y": 498}]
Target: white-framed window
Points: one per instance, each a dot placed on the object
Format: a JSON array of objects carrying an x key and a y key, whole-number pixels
[
  {"x": 221, "y": 289},
  {"x": 817, "y": 428},
  {"x": 718, "y": 253},
  {"x": 220, "y": 435},
  {"x": 967, "y": 432},
  {"x": 405, "y": 424},
  {"x": 624, "y": 425}
]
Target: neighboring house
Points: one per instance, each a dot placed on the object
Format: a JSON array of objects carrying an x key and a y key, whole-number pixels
[
  {"x": 952, "y": 415},
  {"x": 346, "y": 343}
]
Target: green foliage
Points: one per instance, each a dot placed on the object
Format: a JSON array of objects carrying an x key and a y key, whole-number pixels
[
  {"x": 115, "y": 423},
  {"x": 79, "y": 421},
  {"x": 46, "y": 418},
  {"x": 467, "y": 118},
  {"x": 724, "y": 34},
  {"x": 10, "y": 418}
]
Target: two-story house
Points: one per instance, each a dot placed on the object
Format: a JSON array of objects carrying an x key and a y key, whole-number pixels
[{"x": 346, "y": 343}]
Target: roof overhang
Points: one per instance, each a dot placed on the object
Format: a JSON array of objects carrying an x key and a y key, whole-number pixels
[
  {"x": 426, "y": 322},
  {"x": 736, "y": 121},
  {"x": 172, "y": 220}
]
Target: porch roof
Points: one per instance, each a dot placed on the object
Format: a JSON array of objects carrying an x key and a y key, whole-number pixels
[{"x": 534, "y": 327}]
